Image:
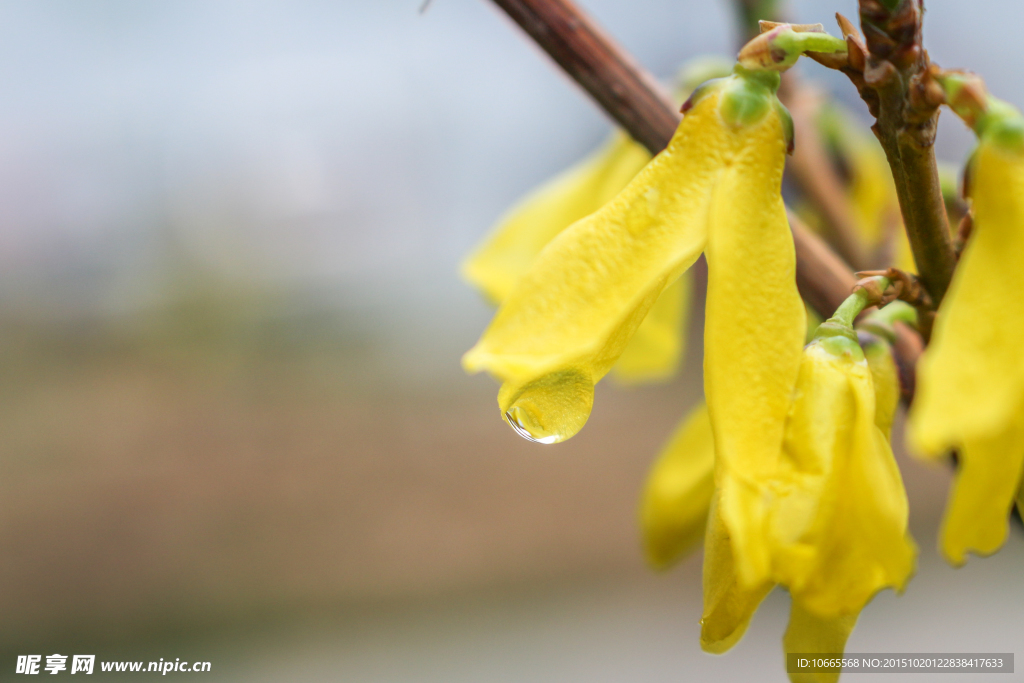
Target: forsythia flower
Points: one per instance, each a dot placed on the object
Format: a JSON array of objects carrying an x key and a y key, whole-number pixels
[
  {"x": 507, "y": 253},
  {"x": 837, "y": 521},
  {"x": 680, "y": 485},
  {"x": 714, "y": 189},
  {"x": 832, "y": 549},
  {"x": 971, "y": 377}
]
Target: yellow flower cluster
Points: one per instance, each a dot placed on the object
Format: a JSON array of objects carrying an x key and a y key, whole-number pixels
[{"x": 786, "y": 471}]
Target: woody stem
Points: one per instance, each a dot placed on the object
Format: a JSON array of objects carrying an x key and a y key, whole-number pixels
[{"x": 897, "y": 75}]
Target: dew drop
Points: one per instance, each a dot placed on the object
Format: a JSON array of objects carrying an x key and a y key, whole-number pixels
[
  {"x": 549, "y": 409},
  {"x": 515, "y": 416}
]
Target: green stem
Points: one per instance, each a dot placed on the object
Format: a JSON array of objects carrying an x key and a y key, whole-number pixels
[
  {"x": 896, "y": 312},
  {"x": 854, "y": 304},
  {"x": 881, "y": 322},
  {"x": 906, "y": 124},
  {"x": 991, "y": 119},
  {"x": 781, "y": 47}
]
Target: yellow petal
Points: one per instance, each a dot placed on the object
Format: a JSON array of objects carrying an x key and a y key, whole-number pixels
[
  {"x": 728, "y": 606},
  {"x": 839, "y": 521},
  {"x": 988, "y": 476},
  {"x": 657, "y": 346},
  {"x": 674, "y": 506},
  {"x": 971, "y": 377},
  {"x": 569, "y": 318},
  {"x": 753, "y": 334},
  {"x": 886, "y": 382},
  {"x": 506, "y": 254},
  {"x": 808, "y": 634}
]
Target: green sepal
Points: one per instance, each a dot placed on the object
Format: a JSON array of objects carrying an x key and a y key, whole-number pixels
[
  {"x": 747, "y": 96},
  {"x": 841, "y": 345},
  {"x": 831, "y": 328}
]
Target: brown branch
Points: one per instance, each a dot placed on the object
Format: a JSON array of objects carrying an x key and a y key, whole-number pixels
[
  {"x": 624, "y": 90},
  {"x": 894, "y": 80},
  {"x": 823, "y": 279}
]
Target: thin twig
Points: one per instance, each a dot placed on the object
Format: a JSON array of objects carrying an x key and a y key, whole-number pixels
[{"x": 625, "y": 91}]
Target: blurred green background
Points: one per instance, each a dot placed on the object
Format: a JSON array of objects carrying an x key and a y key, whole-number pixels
[{"x": 233, "y": 426}]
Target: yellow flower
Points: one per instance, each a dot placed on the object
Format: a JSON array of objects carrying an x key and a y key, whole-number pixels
[
  {"x": 811, "y": 634},
  {"x": 971, "y": 378},
  {"x": 728, "y": 608},
  {"x": 886, "y": 382},
  {"x": 657, "y": 346},
  {"x": 837, "y": 521},
  {"x": 570, "y": 317},
  {"x": 838, "y": 526},
  {"x": 839, "y": 517},
  {"x": 677, "y": 495}
]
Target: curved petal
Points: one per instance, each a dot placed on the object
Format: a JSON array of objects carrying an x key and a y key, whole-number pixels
[
  {"x": 808, "y": 634},
  {"x": 570, "y": 317},
  {"x": 971, "y": 378},
  {"x": 658, "y": 345},
  {"x": 675, "y": 502},
  {"x": 506, "y": 254},
  {"x": 728, "y": 606},
  {"x": 753, "y": 334},
  {"x": 839, "y": 526},
  {"x": 978, "y": 512}
]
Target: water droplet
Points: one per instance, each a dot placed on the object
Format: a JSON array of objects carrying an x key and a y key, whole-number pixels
[
  {"x": 517, "y": 417},
  {"x": 550, "y": 409}
]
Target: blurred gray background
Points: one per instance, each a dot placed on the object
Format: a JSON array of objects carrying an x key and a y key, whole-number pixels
[{"x": 233, "y": 425}]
